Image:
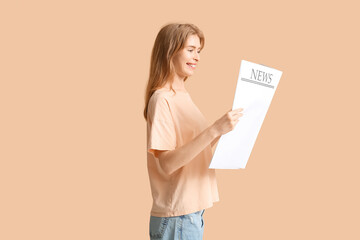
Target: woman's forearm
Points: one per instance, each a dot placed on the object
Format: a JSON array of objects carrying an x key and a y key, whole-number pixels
[
  {"x": 170, "y": 161},
  {"x": 215, "y": 141}
]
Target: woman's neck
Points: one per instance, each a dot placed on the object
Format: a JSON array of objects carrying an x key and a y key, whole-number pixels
[{"x": 178, "y": 84}]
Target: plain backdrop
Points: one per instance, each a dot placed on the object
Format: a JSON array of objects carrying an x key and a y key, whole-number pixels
[{"x": 73, "y": 138}]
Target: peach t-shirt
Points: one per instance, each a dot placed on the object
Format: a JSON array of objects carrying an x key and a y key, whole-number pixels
[{"x": 174, "y": 120}]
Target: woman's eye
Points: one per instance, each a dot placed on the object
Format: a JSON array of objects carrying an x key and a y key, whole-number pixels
[{"x": 190, "y": 50}]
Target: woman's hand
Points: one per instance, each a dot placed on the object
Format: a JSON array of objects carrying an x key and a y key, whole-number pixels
[{"x": 227, "y": 122}]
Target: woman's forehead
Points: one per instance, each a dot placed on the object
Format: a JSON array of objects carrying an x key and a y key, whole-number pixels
[{"x": 193, "y": 41}]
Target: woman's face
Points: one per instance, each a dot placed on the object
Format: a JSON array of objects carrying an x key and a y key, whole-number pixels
[{"x": 186, "y": 60}]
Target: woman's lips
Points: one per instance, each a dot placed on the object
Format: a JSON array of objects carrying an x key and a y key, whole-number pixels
[{"x": 192, "y": 66}]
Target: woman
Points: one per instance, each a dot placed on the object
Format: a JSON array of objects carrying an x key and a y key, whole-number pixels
[{"x": 179, "y": 139}]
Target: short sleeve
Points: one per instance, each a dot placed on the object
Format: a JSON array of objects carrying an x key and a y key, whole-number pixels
[{"x": 161, "y": 133}]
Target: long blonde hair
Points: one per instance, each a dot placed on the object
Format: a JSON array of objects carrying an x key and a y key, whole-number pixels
[{"x": 169, "y": 41}]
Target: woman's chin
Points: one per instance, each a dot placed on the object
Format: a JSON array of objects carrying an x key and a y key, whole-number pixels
[{"x": 189, "y": 74}]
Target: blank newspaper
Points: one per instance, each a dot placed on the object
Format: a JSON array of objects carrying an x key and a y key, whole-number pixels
[{"x": 255, "y": 89}]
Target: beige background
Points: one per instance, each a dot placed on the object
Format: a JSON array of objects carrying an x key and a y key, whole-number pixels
[{"x": 73, "y": 139}]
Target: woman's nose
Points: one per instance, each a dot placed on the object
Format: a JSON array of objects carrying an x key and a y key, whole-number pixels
[{"x": 197, "y": 57}]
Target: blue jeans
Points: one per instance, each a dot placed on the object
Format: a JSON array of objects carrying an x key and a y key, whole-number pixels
[{"x": 184, "y": 227}]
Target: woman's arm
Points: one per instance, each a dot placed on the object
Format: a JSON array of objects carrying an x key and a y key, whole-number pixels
[
  {"x": 172, "y": 160},
  {"x": 215, "y": 141}
]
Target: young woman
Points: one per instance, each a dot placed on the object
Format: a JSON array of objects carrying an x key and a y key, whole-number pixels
[{"x": 179, "y": 139}]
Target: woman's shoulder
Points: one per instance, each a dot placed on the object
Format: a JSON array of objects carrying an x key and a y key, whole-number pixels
[
  {"x": 160, "y": 96},
  {"x": 167, "y": 95},
  {"x": 162, "y": 91}
]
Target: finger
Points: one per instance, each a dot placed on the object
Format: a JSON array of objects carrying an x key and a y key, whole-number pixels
[
  {"x": 235, "y": 122},
  {"x": 237, "y": 116},
  {"x": 238, "y": 110}
]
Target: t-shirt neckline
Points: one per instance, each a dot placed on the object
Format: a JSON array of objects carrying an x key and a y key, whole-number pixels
[{"x": 176, "y": 90}]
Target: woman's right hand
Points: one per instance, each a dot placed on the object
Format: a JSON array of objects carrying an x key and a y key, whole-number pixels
[{"x": 227, "y": 122}]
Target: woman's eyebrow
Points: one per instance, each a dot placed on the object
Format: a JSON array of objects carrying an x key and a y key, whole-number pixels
[{"x": 192, "y": 46}]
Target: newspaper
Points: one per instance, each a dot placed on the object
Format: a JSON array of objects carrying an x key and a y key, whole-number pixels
[{"x": 255, "y": 89}]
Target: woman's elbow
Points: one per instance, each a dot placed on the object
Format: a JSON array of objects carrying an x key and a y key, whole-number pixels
[
  {"x": 165, "y": 167},
  {"x": 163, "y": 161}
]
